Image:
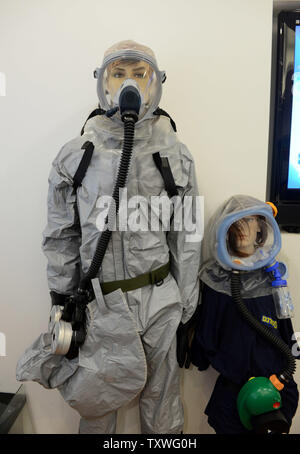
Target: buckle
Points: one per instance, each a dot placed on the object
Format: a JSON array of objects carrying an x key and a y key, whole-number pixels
[
  {"x": 154, "y": 280},
  {"x": 159, "y": 283}
]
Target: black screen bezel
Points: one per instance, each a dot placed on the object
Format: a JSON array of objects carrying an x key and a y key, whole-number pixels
[{"x": 283, "y": 111}]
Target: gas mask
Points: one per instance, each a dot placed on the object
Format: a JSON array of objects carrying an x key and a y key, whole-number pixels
[
  {"x": 127, "y": 67},
  {"x": 248, "y": 239}
]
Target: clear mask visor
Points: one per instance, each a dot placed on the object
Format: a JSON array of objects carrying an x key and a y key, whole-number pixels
[
  {"x": 250, "y": 241},
  {"x": 126, "y": 70}
]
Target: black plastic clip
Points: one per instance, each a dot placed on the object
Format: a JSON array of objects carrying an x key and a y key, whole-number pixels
[{"x": 159, "y": 283}]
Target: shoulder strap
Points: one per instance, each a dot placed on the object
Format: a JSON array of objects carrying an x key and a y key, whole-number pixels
[
  {"x": 95, "y": 112},
  {"x": 84, "y": 163},
  {"x": 162, "y": 112},
  {"x": 162, "y": 163},
  {"x": 158, "y": 111}
]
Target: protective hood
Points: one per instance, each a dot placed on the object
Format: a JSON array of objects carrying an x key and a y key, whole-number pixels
[
  {"x": 242, "y": 235},
  {"x": 126, "y": 63}
]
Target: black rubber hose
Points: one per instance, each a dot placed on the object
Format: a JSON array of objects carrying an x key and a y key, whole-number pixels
[
  {"x": 129, "y": 126},
  {"x": 265, "y": 332}
]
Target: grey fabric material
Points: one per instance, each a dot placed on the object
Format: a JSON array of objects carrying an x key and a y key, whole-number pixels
[
  {"x": 253, "y": 283},
  {"x": 157, "y": 318},
  {"x": 156, "y": 322},
  {"x": 129, "y": 253},
  {"x": 40, "y": 365},
  {"x": 110, "y": 369},
  {"x": 105, "y": 425},
  {"x": 125, "y": 330}
]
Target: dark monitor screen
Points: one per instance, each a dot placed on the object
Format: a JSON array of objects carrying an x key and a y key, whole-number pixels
[
  {"x": 283, "y": 185},
  {"x": 294, "y": 151}
]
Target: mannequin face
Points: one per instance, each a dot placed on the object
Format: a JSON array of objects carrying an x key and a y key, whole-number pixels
[
  {"x": 249, "y": 228},
  {"x": 119, "y": 71}
]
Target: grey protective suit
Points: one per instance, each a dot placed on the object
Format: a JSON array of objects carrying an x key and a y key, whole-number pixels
[{"x": 130, "y": 346}]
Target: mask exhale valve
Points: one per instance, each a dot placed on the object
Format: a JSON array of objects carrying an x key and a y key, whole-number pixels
[
  {"x": 68, "y": 333},
  {"x": 129, "y": 101}
]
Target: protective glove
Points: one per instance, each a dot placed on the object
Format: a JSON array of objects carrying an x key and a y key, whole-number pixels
[
  {"x": 57, "y": 299},
  {"x": 185, "y": 333}
]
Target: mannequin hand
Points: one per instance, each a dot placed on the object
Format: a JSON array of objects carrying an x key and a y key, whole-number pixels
[
  {"x": 182, "y": 345},
  {"x": 185, "y": 334}
]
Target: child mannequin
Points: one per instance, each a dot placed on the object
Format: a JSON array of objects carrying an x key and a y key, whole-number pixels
[{"x": 222, "y": 337}]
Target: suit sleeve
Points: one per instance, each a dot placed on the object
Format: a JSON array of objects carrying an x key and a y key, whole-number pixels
[
  {"x": 62, "y": 234},
  {"x": 185, "y": 244}
]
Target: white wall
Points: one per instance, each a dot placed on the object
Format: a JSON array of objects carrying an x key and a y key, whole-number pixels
[{"x": 218, "y": 61}]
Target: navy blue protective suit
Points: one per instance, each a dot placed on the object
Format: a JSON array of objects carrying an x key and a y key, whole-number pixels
[{"x": 224, "y": 340}]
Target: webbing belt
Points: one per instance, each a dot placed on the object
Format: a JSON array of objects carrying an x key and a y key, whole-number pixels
[{"x": 153, "y": 277}]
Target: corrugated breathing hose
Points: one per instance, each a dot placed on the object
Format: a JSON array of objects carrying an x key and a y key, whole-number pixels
[
  {"x": 129, "y": 126},
  {"x": 265, "y": 332}
]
